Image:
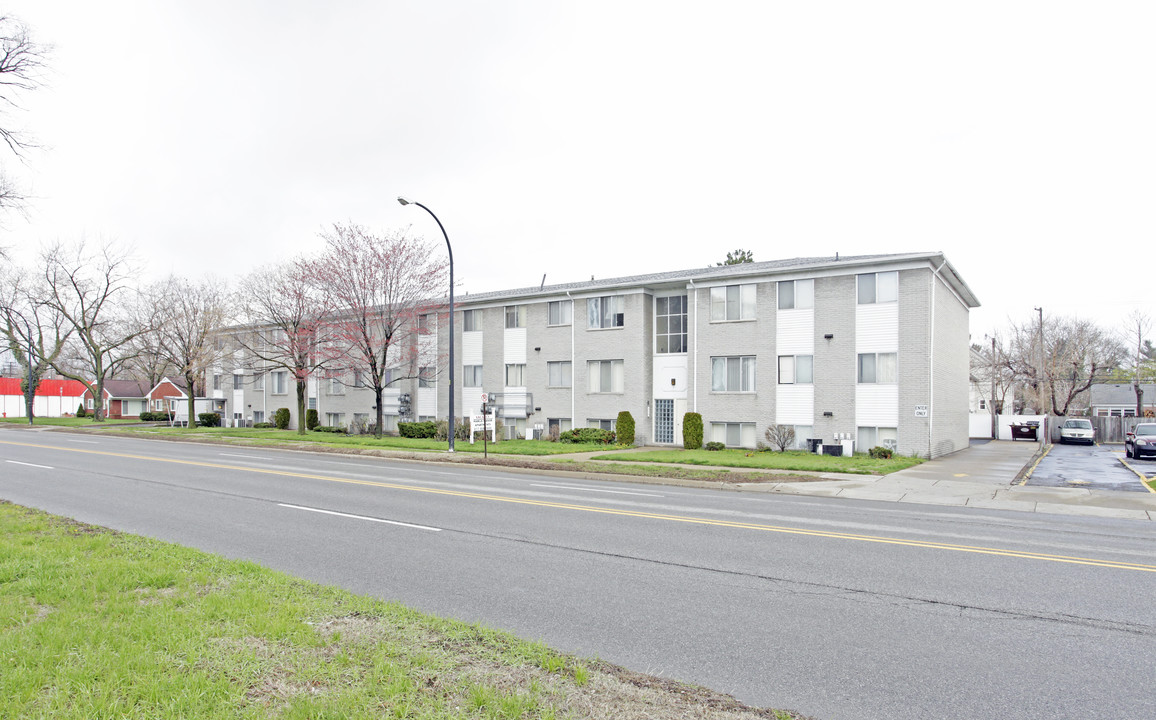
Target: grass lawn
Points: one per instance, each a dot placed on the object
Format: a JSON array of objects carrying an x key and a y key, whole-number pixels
[
  {"x": 791, "y": 460},
  {"x": 66, "y": 421},
  {"x": 100, "y": 624},
  {"x": 280, "y": 437}
]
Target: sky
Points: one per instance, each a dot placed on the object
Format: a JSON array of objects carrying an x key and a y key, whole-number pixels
[{"x": 593, "y": 138}]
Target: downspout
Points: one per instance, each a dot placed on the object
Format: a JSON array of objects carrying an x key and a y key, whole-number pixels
[
  {"x": 694, "y": 355},
  {"x": 573, "y": 420},
  {"x": 931, "y": 363}
]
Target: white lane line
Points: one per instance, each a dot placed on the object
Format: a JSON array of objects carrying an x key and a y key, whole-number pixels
[
  {"x": 616, "y": 492},
  {"x": 247, "y": 457},
  {"x": 86, "y": 442},
  {"x": 359, "y": 517},
  {"x": 17, "y": 462}
]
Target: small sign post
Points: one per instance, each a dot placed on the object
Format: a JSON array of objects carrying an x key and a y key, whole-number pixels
[{"x": 920, "y": 411}]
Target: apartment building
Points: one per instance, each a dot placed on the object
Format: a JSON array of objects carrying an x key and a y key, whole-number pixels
[{"x": 871, "y": 348}]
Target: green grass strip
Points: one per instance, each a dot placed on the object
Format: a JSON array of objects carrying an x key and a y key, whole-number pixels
[{"x": 791, "y": 460}]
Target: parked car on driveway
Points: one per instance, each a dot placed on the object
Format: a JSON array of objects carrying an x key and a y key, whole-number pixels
[
  {"x": 1140, "y": 442},
  {"x": 1077, "y": 430}
]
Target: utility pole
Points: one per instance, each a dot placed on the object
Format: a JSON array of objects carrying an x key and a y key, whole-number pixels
[
  {"x": 994, "y": 418},
  {"x": 1039, "y": 383}
]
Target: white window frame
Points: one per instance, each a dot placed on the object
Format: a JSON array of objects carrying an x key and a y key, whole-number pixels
[
  {"x": 559, "y": 313},
  {"x": 796, "y": 369},
  {"x": 733, "y": 434},
  {"x": 425, "y": 377},
  {"x": 472, "y": 320},
  {"x": 606, "y": 312},
  {"x": 871, "y": 366},
  {"x": 733, "y": 303},
  {"x": 662, "y": 325},
  {"x": 515, "y": 316},
  {"x": 559, "y": 374},
  {"x": 877, "y": 288},
  {"x": 515, "y": 374},
  {"x": 796, "y": 294},
  {"x": 868, "y": 437},
  {"x": 596, "y": 372},
  {"x": 738, "y": 368},
  {"x": 279, "y": 382},
  {"x": 472, "y": 376},
  {"x": 336, "y": 386}
]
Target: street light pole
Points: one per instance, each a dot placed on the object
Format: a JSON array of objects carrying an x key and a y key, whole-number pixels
[{"x": 453, "y": 419}]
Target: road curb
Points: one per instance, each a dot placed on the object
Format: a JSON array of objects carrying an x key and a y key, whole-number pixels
[{"x": 1025, "y": 474}]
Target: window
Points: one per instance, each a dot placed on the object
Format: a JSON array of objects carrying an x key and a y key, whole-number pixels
[
  {"x": 802, "y": 434},
  {"x": 425, "y": 377},
  {"x": 670, "y": 324},
  {"x": 471, "y": 376},
  {"x": 259, "y": 381},
  {"x": 471, "y": 320},
  {"x": 877, "y": 368},
  {"x": 732, "y": 374},
  {"x": 560, "y": 312},
  {"x": 334, "y": 419},
  {"x": 238, "y": 381},
  {"x": 158, "y": 405},
  {"x": 869, "y": 437},
  {"x": 733, "y": 302},
  {"x": 336, "y": 387},
  {"x": 258, "y": 416},
  {"x": 733, "y": 434},
  {"x": 358, "y": 379},
  {"x": 601, "y": 424},
  {"x": 878, "y": 288},
  {"x": 279, "y": 382},
  {"x": 558, "y": 374},
  {"x": 424, "y": 324},
  {"x": 516, "y": 375},
  {"x": 796, "y": 369},
  {"x": 796, "y": 294},
  {"x": 216, "y": 381},
  {"x": 605, "y": 376},
  {"x": 605, "y": 312},
  {"x": 515, "y": 316},
  {"x": 557, "y": 426}
]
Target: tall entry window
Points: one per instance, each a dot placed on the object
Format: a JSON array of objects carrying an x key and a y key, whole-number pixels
[{"x": 670, "y": 324}]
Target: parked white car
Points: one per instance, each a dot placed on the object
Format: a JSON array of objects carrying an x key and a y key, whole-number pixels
[{"x": 1077, "y": 430}]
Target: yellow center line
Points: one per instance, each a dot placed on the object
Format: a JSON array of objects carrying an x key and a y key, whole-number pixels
[{"x": 625, "y": 513}]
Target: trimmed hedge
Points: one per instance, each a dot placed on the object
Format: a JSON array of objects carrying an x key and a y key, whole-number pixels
[
  {"x": 209, "y": 419},
  {"x": 692, "y": 431},
  {"x": 281, "y": 418},
  {"x": 587, "y": 435},
  {"x": 713, "y": 445},
  {"x": 625, "y": 428},
  {"x": 330, "y": 429},
  {"x": 264, "y": 425},
  {"x": 311, "y": 419},
  {"x": 427, "y": 429}
]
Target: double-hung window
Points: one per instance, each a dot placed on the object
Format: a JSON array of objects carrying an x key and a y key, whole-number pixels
[
  {"x": 733, "y": 302},
  {"x": 605, "y": 312},
  {"x": 732, "y": 374},
  {"x": 279, "y": 382},
  {"x": 877, "y": 368},
  {"x": 471, "y": 320},
  {"x": 796, "y": 369},
  {"x": 796, "y": 294},
  {"x": 605, "y": 376},
  {"x": 670, "y": 324},
  {"x": 238, "y": 381},
  {"x": 425, "y": 376},
  {"x": 558, "y": 374},
  {"x": 560, "y": 312},
  {"x": 516, "y": 375},
  {"x": 878, "y": 287},
  {"x": 259, "y": 381},
  {"x": 471, "y": 376},
  {"x": 733, "y": 434},
  {"x": 515, "y": 316},
  {"x": 336, "y": 386}
]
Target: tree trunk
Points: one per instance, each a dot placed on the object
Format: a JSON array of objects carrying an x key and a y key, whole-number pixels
[
  {"x": 300, "y": 406},
  {"x": 191, "y": 388},
  {"x": 378, "y": 391},
  {"x": 1139, "y": 399}
]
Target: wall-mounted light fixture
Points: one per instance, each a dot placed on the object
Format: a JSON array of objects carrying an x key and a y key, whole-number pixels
[
  {"x": 537, "y": 349},
  {"x": 828, "y": 413},
  {"x": 672, "y": 382},
  {"x": 828, "y": 336}
]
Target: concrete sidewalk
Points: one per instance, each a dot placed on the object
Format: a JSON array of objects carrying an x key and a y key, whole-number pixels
[{"x": 984, "y": 475}]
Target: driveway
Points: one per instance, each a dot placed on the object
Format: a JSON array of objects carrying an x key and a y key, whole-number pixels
[{"x": 1097, "y": 467}]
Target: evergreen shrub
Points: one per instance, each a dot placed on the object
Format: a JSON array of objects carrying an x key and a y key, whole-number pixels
[
  {"x": 692, "y": 431},
  {"x": 625, "y": 428}
]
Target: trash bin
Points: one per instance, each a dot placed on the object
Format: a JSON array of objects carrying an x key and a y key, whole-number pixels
[
  {"x": 815, "y": 445},
  {"x": 1027, "y": 431}
]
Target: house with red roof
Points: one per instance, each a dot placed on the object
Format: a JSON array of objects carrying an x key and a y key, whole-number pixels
[
  {"x": 122, "y": 399},
  {"x": 54, "y": 398}
]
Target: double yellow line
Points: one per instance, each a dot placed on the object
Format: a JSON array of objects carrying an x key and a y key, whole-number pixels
[{"x": 629, "y": 513}]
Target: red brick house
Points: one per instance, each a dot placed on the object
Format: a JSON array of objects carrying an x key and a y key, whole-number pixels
[{"x": 122, "y": 399}]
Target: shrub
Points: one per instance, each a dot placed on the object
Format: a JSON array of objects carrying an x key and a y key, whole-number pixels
[
  {"x": 880, "y": 453},
  {"x": 462, "y": 431},
  {"x": 329, "y": 429},
  {"x": 781, "y": 436},
  {"x": 311, "y": 420},
  {"x": 81, "y": 412},
  {"x": 713, "y": 445},
  {"x": 625, "y": 428},
  {"x": 281, "y": 418},
  {"x": 264, "y": 425},
  {"x": 427, "y": 429},
  {"x": 587, "y": 435},
  {"x": 692, "y": 431},
  {"x": 209, "y": 419}
]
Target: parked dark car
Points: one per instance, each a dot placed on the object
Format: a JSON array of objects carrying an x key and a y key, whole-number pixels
[{"x": 1140, "y": 442}]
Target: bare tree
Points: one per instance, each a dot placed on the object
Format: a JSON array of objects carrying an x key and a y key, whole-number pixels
[
  {"x": 1058, "y": 359},
  {"x": 33, "y": 333},
  {"x": 781, "y": 436},
  {"x": 1138, "y": 325},
  {"x": 22, "y": 61},
  {"x": 186, "y": 336},
  {"x": 91, "y": 292},
  {"x": 381, "y": 286},
  {"x": 286, "y": 320}
]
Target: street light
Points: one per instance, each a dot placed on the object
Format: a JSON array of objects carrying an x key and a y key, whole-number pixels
[{"x": 453, "y": 419}]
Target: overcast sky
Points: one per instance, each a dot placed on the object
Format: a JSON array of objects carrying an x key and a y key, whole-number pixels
[{"x": 610, "y": 138}]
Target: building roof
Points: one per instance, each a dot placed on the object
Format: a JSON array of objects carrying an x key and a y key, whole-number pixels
[
  {"x": 1121, "y": 394},
  {"x": 125, "y": 389},
  {"x": 723, "y": 272},
  {"x": 48, "y": 387}
]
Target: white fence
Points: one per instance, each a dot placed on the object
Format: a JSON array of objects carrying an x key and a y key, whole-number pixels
[
  {"x": 979, "y": 424},
  {"x": 42, "y": 405}
]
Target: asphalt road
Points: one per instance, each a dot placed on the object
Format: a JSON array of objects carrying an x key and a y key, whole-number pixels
[
  {"x": 1095, "y": 467},
  {"x": 835, "y": 608}
]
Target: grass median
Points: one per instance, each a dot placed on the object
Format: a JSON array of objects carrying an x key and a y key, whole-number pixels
[
  {"x": 83, "y": 422},
  {"x": 791, "y": 460},
  {"x": 100, "y": 624}
]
